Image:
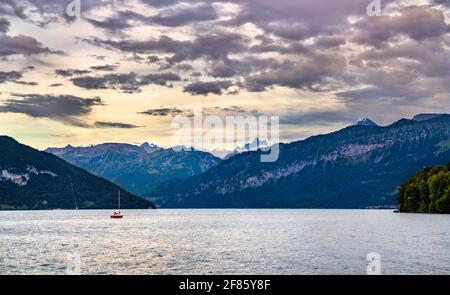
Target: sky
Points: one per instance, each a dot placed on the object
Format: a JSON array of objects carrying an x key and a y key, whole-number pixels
[{"x": 122, "y": 70}]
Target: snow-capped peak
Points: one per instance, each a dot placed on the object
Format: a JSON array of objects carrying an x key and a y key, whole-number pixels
[{"x": 366, "y": 122}]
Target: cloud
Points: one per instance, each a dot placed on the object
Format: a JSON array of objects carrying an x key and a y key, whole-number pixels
[
  {"x": 213, "y": 46},
  {"x": 106, "y": 68},
  {"x": 319, "y": 117},
  {"x": 303, "y": 74},
  {"x": 10, "y": 8},
  {"x": 160, "y": 3},
  {"x": 162, "y": 112},
  {"x": 127, "y": 83},
  {"x": 331, "y": 41},
  {"x": 14, "y": 77},
  {"x": 112, "y": 24},
  {"x": 68, "y": 109},
  {"x": 205, "y": 88},
  {"x": 442, "y": 2},
  {"x": 56, "y": 85},
  {"x": 100, "y": 124},
  {"x": 70, "y": 73},
  {"x": 23, "y": 45},
  {"x": 417, "y": 22},
  {"x": 4, "y": 25},
  {"x": 179, "y": 16}
]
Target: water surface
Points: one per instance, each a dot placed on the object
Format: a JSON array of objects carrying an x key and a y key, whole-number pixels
[{"x": 223, "y": 242}]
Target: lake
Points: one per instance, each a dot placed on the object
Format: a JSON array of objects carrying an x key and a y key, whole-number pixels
[{"x": 222, "y": 242}]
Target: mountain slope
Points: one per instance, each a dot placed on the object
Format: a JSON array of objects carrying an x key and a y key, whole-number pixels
[
  {"x": 139, "y": 169},
  {"x": 30, "y": 179},
  {"x": 355, "y": 167}
]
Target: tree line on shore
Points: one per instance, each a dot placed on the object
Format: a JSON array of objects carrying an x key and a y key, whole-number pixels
[{"x": 427, "y": 191}]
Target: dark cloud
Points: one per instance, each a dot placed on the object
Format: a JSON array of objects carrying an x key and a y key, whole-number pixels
[
  {"x": 10, "y": 76},
  {"x": 299, "y": 20},
  {"x": 331, "y": 41},
  {"x": 215, "y": 46},
  {"x": 100, "y": 124},
  {"x": 128, "y": 83},
  {"x": 65, "y": 108},
  {"x": 318, "y": 117},
  {"x": 222, "y": 70},
  {"x": 162, "y": 112},
  {"x": 69, "y": 73},
  {"x": 106, "y": 68},
  {"x": 14, "y": 77},
  {"x": 113, "y": 24},
  {"x": 185, "y": 67},
  {"x": 417, "y": 22},
  {"x": 11, "y": 8},
  {"x": 13, "y": 45},
  {"x": 160, "y": 3},
  {"x": 26, "y": 83},
  {"x": 205, "y": 88},
  {"x": 162, "y": 45},
  {"x": 179, "y": 16},
  {"x": 4, "y": 25},
  {"x": 56, "y": 85},
  {"x": 304, "y": 74},
  {"x": 442, "y": 2}
]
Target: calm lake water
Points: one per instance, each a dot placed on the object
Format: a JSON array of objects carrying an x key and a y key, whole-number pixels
[{"x": 223, "y": 242}]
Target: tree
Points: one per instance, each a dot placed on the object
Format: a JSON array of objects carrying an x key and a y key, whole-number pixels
[{"x": 427, "y": 191}]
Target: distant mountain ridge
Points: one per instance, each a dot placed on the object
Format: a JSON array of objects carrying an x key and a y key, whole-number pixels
[
  {"x": 248, "y": 147},
  {"x": 139, "y": 169},
  {"x": 356, "y": 167},
  {"x": 30, "y": 179}
]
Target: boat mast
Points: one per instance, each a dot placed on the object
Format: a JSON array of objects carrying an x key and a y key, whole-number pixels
[
  {"x": 73, "y": 193},
  {"x": 119, "y": 200}
]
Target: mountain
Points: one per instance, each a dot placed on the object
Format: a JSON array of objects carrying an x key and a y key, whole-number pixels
[
  {"x": 427, "y": 191},
  {"x": 366, "y": 122},
  {"x": 150, "y": 147},
  {"x": 139, "y": 169},
  {"x": 31, "y": 179},
  {"x": 356, "y": 167},
  {"x": 252, "y": 146}
]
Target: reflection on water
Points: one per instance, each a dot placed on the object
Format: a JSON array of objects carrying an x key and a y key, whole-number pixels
[{"x": 222, "y": 242}]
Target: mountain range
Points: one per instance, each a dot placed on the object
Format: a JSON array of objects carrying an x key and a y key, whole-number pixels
[
  {"x": 139, "y": 169},
  {"x": 31, "y": 179},
  {"x": 356, "y": 167},
  {"x": 248, "y": 147}
]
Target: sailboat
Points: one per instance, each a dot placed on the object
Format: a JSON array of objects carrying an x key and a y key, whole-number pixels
[{"x": 117, "y": 214}]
